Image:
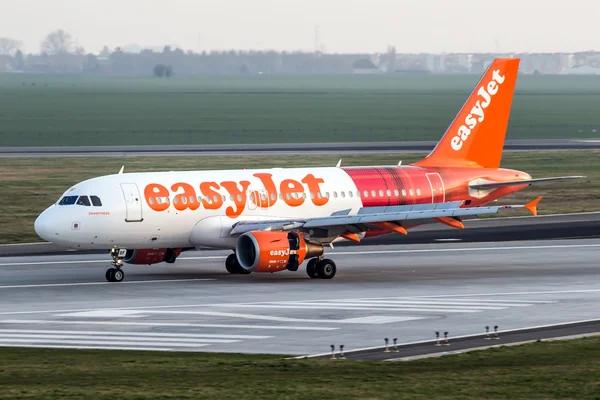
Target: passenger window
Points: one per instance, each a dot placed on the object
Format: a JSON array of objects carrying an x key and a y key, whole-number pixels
[
  {"x": 216, "y": 198},
  {"x": 67, "y": 200},
  {"x": 396, "y": 193},
  {"x": 381, "y": 193},
  {"x": 151, "y": 201},
  {"x": 418, "y": 192},
  {"x": 224, "y": 198},
  {"x": 304, "y": 195},
  {"x": 343, "y": 194},
  {"x": 404, "y": 192},
  {"x": 199, "y": 199},
  {"x": 319, "y": 195},
  {"x": 357, "y": 193},
  {"x": 350, "y": 194},
  {"x": 175, "y": 201},
  {"x": 83, "y": 201},
  {"x": 96, "y": 201},
  {"x": 335, "y": 195},
  {"x": 273, "y": 196},
  {"x": 327, "y": 194},
  {"x": 373, "y": 193},
  {"x": 412, "y": 193},
  {"x": 389, "y": 193},
  {"x": 312, "y": 195},
  {"x": 366, "y": 194},
  {"x": 287, "y": 196},
  {"x": 192, "y": 199},
  {"x": 239, "y": 197}
]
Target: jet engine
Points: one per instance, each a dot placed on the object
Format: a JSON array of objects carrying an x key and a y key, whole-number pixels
[
  {"x": 270, "y": 251},
  {"x": 151, "y": 256}
]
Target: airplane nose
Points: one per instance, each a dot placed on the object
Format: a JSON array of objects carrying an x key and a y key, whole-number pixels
[{"x": 43, "y": 226}]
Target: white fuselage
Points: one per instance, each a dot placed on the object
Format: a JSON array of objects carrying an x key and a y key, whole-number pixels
[{"x": 179, "y": 209}]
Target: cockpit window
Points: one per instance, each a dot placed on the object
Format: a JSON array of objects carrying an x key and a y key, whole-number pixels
[
  {"x": 67, "y": 200},
  {"x": 83, "y": 201},
  {"x": 96, "y": 201}
]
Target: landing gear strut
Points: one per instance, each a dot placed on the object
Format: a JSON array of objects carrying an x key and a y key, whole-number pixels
[
  {"x": 233, "y": 266},
  {"x": 116, "y": 274},
  {"x": 323, "y": 269}
]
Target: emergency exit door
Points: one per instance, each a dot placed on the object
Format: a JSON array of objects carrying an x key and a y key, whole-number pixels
[{"x": 133, "y": 204}]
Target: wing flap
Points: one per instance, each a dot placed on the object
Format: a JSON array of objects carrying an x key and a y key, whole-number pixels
[{"x": 383, "y": 214}]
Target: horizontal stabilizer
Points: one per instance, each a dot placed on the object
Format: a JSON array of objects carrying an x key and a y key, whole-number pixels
[{"x": 494, "y": 185}]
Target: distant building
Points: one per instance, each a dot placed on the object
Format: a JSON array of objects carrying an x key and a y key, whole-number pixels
[
  {"x": 581, "y": 70},
  {"x": 364, "y": 66}
]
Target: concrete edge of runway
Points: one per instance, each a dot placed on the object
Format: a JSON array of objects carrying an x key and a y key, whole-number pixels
[
  {"x": 557, "y": 226},
  {"x": 263, "y": 149},
  {"x": 460, "y": 344}
]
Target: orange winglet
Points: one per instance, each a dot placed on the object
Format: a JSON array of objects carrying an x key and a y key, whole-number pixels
[
  {"x": 390, "y": 226},
  {"x": 350, "y": 236},
  {"x": 532, "y": 206},
  {"x": 451, "y": 222}
]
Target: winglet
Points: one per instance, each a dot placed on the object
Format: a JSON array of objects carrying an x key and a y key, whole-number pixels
[{"x": 532, "y": 205}]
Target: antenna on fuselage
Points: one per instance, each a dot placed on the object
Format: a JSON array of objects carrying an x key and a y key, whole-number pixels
[
  {"x": 121, "y": 170},
  {"x": 400, "y": 163},
  {"x": 339, "y": 164}
]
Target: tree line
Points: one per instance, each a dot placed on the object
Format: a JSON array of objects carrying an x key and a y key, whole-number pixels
[{"x": 60, "y": 52}]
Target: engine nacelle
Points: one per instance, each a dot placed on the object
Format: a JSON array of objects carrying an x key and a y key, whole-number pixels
[
  {"x": 151, "y": 256},
  {"x": 268, "y": 251}
]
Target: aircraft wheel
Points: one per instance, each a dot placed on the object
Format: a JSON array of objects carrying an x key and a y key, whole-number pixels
[
  {"x": 110, "y": 274},
  {"x": 311, "y": 268},
  {"x": 326, "y": 269},
  {"x": 118, "y": 275},
  {"x": 231, "y": 264}
]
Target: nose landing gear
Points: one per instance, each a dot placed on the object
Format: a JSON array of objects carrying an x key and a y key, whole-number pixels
[{"x": 116, "y": 274}]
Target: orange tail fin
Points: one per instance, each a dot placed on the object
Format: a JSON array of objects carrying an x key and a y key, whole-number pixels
[{"x": 476, "y": 136}]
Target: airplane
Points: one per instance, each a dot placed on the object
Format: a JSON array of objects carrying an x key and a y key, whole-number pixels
[{"x": 275, "y": 219}]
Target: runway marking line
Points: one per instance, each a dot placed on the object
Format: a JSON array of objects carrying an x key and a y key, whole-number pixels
[
  {"x": 88, "y": 347},
  {"x": 169, "y": 324},
  {"x": 103, "y": 283},
  {"x": 137, "y": 334},
  {"x": 155, "y": 307},
  {"x": 176, "y": 342}
]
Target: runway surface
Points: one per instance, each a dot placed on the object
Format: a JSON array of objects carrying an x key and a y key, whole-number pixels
[
  {"x": 278, "y": 149},
  {"x": 408, "y": 292}
]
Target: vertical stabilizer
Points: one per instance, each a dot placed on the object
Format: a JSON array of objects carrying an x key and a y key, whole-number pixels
[{"x": 476, "y": 136}]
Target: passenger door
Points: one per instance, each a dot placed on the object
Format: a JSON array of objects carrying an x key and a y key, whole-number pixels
[
  {"x": 438, "y": 194},
  {"x": 133, "y": 203}
]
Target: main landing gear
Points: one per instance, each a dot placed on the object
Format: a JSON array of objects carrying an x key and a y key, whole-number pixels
[
  {"x": 233, "y": 266},
  {"x": 115, "y": 274},
  {"x": 323, "y": 269}
]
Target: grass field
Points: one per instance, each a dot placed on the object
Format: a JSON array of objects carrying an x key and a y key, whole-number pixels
[
  {"x": 31, "y": 185},
  {"x": 78, "y": 110},
  {"x": 546, "y": 370}
]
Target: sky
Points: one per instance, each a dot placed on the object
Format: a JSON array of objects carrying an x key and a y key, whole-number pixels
[{"x": 344, "y": 26}]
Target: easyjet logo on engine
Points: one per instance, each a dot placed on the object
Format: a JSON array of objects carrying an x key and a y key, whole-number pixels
[
  {"x": 289, "y": 191},
  {"x": 280, "y": 253},
  {"x": 477, "y": 114}
]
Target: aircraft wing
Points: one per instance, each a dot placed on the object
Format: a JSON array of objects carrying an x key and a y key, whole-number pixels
[
  {"x": 377, "y": 215},
  {"x": 494, "y": 185}
]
